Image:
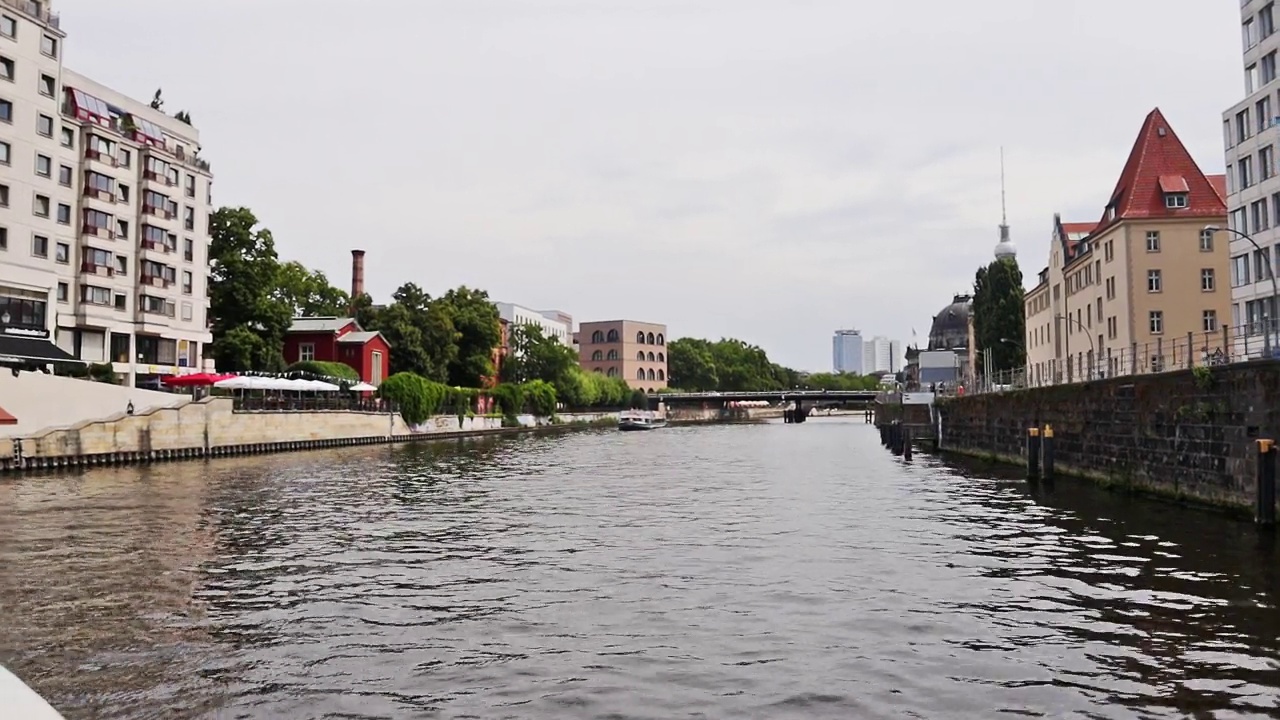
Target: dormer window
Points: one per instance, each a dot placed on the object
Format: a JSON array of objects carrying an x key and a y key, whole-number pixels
[{"x": 1175, "y": 191}]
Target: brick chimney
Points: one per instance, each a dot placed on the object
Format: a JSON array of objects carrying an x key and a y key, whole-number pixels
[{"x": 357, "y": 274}]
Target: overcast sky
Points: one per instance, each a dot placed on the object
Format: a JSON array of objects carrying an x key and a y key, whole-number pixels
[{"x": 763, "y": 169}]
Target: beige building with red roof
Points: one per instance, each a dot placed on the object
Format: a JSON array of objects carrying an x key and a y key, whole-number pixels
[{"x": 1144, "y": 288}]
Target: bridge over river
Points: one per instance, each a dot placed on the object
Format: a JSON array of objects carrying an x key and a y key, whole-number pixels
[{"x": 802, "y": 401}]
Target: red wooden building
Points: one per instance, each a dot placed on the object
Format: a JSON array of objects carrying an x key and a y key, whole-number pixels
[{"x": 330, "y": 339}]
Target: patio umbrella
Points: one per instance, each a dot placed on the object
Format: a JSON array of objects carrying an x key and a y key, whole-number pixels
[
  {"x": 195, "y": 380},
  {"x": 362, "y": 387}
]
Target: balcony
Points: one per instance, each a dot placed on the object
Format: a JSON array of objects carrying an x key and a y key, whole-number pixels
[
  {"x": 99, "y": 270},
  {"x": 158, "y": 247},
  {"x": 165, "y": 308},
  {"x": 192, "y": 160},
  {"x": 159, "y": 212},
  {"x": 156, "y": 281},
  {"x": 37, "y": 10},
  {"x": 89, "y": 231},
  {"x": 149, "y": 176},
  {"x": 96, "y": 156}
]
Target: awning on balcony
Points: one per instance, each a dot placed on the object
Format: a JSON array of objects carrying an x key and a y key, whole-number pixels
[{"x": 32, "y": 352}]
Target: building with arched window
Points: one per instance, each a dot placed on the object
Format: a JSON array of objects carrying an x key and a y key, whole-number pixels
[{"x": 634, "y": 351}]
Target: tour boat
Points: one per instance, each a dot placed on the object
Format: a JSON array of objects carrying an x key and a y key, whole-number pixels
[
  {"x": 20, "y": 701},
  {"x": 640, "y": 420}
]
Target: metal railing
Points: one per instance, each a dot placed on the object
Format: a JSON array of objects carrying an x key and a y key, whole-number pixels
[
  {"x": 311, "y": 404},
  {"x": 37, "y": 10},
  {"x": 1216, "y": 348}
]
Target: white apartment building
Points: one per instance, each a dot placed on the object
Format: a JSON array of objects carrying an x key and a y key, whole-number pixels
[
  {"x": 104, "y": 207},
  {"x": 1250, "y": 134},
  {"x": 878, "y": 355},
  {"x": 553, "y": 323},
  {"x": 848, "y": 354}
]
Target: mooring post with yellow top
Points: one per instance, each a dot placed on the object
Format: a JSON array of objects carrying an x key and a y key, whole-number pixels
[
  {"x": 1264, "y": 494},
  {"x": 1046, "y": 444},
  {"x": 1033, "y": 453}
]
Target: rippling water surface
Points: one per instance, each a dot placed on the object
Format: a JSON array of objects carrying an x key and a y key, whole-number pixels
[{"x": 769, "y": 571}]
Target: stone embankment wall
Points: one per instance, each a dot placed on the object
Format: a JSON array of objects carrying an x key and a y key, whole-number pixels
[
  {"x": 1188, "y": 434},
  {"x": 689, "y": 415}
]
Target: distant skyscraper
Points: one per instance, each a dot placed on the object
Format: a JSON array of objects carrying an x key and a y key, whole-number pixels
[
  {"x": 877, "y": 355},
  {"x": 847, "y": 351}
]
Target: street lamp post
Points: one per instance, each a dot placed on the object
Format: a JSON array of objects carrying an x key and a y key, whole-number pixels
[
  {"x": 1093, "y": 349},
  {"x": 1275, "y": 286}
]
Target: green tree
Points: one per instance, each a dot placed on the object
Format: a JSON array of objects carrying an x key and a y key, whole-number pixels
[
  {"x": 690, "y": 366},
  {"x": 420, "y": 331},
  {"x": 475, "y": 320},
  {"x": 743, "y": 367},
  {"x": 535, "y": 356},
  {"x": 244, "y": 268},
  {"x": 999, "y": 315},
  {"x": 308, "y": 293}
]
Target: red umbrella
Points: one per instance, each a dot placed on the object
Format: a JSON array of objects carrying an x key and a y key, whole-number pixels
[{"x": 194, "y": 380}]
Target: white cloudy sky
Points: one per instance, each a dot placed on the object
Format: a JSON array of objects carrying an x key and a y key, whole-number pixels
[{"x": 763, "y": 169}]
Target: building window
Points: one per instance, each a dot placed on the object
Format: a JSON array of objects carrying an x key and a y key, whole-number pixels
[
  {"x": 1206, "y": 241},
  {"x": 1207, "y": 280},
  {"x": 1262, "y": 109},
  {"x": 6, "y": 69},
  {"x": 120, "y": 301},
  {"x": 62, "y": 253},
  {"x": 640, "y": 356},
  {"x": 63, "y": 292},
  {"x": 1153, "y": 241},
  {"x": 191, "y": 186},
  {"x": 1268, "y": 66},
  {"x": 613, "y": 355},
  {"x": 49, "y": 45},
  {"x": 1153, "y": 281},
  {"x": 68, "y": 138},
  {"x": 44, "y": 165},
  {"x": 661, "y": 340},
  {"x": 1155, "y": 321},
  {"x": 188, "y": 250},
  {"x": 1266, "y": 22},
  {"x": 64, "y": 214},
  {"x": 125, "y": 158},
  {"x": 6, "y": 111},
  {"x": 4, "y": 238},
  {"x": 1245, "y": 171},
  {"x": 306, "y": 352},
  {"x": 4, "y": 196},
  {"x": 5, "y": 153},
  {"x": 40, "y": 246},
  {"x": 640, "y": 374},
  {"x": 187, "y": 282},
  {"x": 597, "y": 356},
  {"x": 1175, "y": 200},
  {"x": 1267, "y": 161},
  {"x": 122, "y": 193},
  {"x": 597, "y": 337},
  {"x": 48, "y": 85},
  {"x": 640, "y": 338},
  {"x": 44, "y": 125},
  {"x": 41, "y": 206},
  {"x": 1209, "y": 321},
  {"x": 95, "y": 295},
  {"x": 8, "y": 26},
  {"x": 612, "y": 336},
  {"x": 189, "y": 218},
  {"x": 1239, "y": 270}
]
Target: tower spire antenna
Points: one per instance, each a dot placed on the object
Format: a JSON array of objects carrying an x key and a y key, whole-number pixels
[
  {"x": 1005, "y": 248},
  {"x": 1004, "y": 216}
]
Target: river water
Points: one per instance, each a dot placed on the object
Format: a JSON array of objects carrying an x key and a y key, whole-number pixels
[{"x": 765, "y": 571}]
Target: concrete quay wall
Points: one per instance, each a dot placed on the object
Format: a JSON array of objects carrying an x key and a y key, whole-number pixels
[
  {"x": 211, "y": 428},
  {"x": 1188, "y": 435}
]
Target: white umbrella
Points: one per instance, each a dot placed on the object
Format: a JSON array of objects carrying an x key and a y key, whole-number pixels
[
  {"x": 321, "y": 386},
  {"x": 362, "y": 387}
]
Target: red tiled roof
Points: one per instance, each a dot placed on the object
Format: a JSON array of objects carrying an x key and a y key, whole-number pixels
[
  {"x": 6, "y": 418},
  {"x": 1173, "y": 184},
  {"x": 1219, "y": 183},
  {"x": 1075, "y": 228},
  {"x": 1158, "y": 154}
]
